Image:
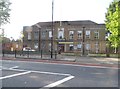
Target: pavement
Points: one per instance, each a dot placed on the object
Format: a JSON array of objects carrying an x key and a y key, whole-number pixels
[{"x": 78, "y": 60}]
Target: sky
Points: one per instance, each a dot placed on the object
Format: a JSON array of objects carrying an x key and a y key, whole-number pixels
[{"x": 29, "y": 12}]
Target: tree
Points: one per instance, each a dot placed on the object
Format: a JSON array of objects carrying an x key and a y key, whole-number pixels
[
  {"x": 4, "y": 14},
  {"x": 4, "y": 11},
  {"x": 113, "y": 23}
]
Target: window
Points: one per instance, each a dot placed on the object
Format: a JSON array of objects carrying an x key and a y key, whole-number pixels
[
  {"x": 36, "y": 35},
  {"x": 96, "y": 47},
  {"x": 43, "y": 35},
  {"x": 96, "y": 34},
  {"x": 61, "y": 33},
  {"x": 71, "y": 33},
  {"x": 29, "y": 35},
  {"x": 79, "y": 34},
  {"x": 36, "y": 45},
  {"x": 43, "y": 45},
  {"x": 87, "y": 46},
  {"x": 71, "y": 47},
  {"x": 87, "y": 33},
  {"x": 50, "y": 34},
  {"x": 49, "y": 45},
  {"x": 79, "y": 46}
]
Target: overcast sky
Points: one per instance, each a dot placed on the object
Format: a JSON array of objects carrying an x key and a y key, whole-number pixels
[{"x": 29, "y": 12}]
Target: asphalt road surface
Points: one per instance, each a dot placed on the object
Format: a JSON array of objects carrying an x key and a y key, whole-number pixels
[{"x": 36, "y": 74}]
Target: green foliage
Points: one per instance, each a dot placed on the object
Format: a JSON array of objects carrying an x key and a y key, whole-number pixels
[
  {"x": 4, "y": 11},
  {"x": 113, "y": 23},
  {"x": 0, "y": 38}
]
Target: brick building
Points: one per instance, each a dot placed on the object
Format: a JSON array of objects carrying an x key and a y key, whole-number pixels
[{"x": 68, "y": 36}]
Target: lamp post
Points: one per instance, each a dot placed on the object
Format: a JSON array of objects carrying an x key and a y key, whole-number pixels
[
  {"x": 39, "y": 40},
  {"x": 83, "y": 42},
  {"x": 52, "y": 31}
]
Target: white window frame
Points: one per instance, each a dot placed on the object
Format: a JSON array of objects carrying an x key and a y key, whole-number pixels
[
  {"x": 71, "y": 36},
  {"x": 87, "y": 34},
  {"x": 96, "y": 34},
  {"x": 29, "y": 35},
  {"x": 79, "y": 46},
  {"x": 50, "y": 34},
  {"x": 87, "y": 46},
  {"x": 36, "y": 45},
  {"x": 79, "y": 36},
  {"x": 60, "y": 33},
  {"x": 49, "y": 45},
  {"x": 71, "y": 45}
]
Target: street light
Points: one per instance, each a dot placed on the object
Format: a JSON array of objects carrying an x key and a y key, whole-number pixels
[
  {"x": 52, "y": 30},
  {"x": 83, "y": 40},
  {"x": 39, "y": 40}
]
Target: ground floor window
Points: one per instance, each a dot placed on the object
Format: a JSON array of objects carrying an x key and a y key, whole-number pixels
[
  {"x": 87, "y": 46},
  {"x": 49, "y": 46},
  {"x": 71, "y": 47},
  {"x": 36, "y": 45},
  {"x": 79, "y": 46}
]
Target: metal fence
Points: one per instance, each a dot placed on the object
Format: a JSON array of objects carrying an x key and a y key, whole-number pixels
[{"x": 30, "y": 54}]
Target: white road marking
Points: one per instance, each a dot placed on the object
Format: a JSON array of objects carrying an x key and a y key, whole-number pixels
[
  {"x": 59, "y": 82},
  {"x": 18, "y": 74},
  {"x": 42, "y": 72},
  {"x": 51, "y": 73},
  {"x": 69, "y": 76},
  {"x": 14, "y": 67}
]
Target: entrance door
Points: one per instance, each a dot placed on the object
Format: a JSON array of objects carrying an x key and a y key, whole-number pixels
[{"x": 61, "y": 48}]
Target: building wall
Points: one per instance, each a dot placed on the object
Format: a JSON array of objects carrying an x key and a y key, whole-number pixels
[{"x": 95, "y": 45}]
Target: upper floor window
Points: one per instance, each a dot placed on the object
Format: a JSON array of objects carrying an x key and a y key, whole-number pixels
[
  {"x": 50, "y": 34},
  {"x": 87, "y": 34},
  {"x": 36, "y": 35},
  {"x": 79, "y": 34},
  {"x": 43, "y": 34},
  {"x": 29, "y": 35},
  {"x": 96, "y": 34},
  {"x": 71, "y": 34},
  {"x": 60, "y": 33}
]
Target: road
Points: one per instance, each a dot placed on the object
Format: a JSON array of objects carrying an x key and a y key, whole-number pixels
[{"x": 38, "y": 74}]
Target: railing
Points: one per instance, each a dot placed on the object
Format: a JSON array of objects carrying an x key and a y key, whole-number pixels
[{"x": 30, "y": 54}]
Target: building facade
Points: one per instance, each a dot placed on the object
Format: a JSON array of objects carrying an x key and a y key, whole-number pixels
[{"x": 82, "y": 37}]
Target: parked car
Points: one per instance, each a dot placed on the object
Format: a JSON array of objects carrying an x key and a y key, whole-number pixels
[{"x": 28, "y": 49}]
